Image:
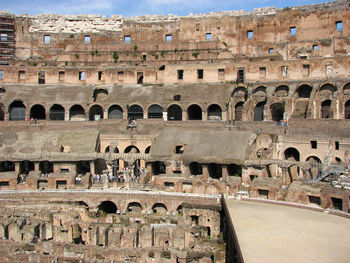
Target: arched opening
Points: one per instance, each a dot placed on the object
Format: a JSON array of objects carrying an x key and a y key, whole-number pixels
[
  {"x": 194, "y": 112},
  {"x": 17, "y": 111},
  {"x": 57, "y": 113},
  {"x": 46, "y": 167},
  {"x": 179, "y": 210},
  {"x": 134, "y": 207},
  {"x": 155, "y": 112},
  {"x": 196, "y": 168},
  {"x": 116, "y": 150},
  {"x": 214, "y": 112},
  {"x": 25, "y": 167},
  {"x": 281, "y": 91},
  {"x": 304, "y": 91},
  {"x": 347, "y": 110},
  {"x": 327, "y": 88},
  {"x": 95, "y": 113},
  {"x": 37, "y": 112},
  {"x": 135, "y": 112},
  {"x": 174, "y": 113},
  {"x": 7, "y": 166},
  {"x": 215, "y": 170},
  {"x": 277, "y": 110},
  {"x": 100, "y": 166},
  {"x": 148, "y": 149},
  {"x": 239, "y": 111},
  {"x": 158, "y": 168},
  {"x": 316, "y": 166},
  {"x": 83, "y": 167},
  {"x": 234, "y": 170},
  {"x": 261, "y": 90},
  {"x": 240, "y": 93},
  {"x": 326, "y": 109},
  {"x": 292, "y": 154},
  {"x": 115, "y": 112},
  {"x": 259, "y": 111},
  {"x": 76, "y": 112},
  {"x": 106, "y": 207},
  {"x": 131, "y": 149},
  {"x": 159, "y": 208},
  {"x": 346, "y": 89},
  {"x": 100, "y": 95}
]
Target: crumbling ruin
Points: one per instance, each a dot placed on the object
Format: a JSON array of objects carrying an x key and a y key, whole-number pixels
[{"x": 119, "y": 136}]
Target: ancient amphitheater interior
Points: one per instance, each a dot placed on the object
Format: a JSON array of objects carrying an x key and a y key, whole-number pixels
[{"x": 218, "y": 137}]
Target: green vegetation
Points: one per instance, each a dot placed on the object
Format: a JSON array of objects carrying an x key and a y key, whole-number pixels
[
  {"x": 76, "y": 55},
  {"x": 115, "y": 56},
  {"x": 195, "y": 54},
  {"x": 135, "y": 48}
]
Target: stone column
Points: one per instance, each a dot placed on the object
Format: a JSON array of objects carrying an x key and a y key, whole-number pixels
[
  {"x": 92, "y": 167},
  {"x": 105, "y": 114},
  {"x": 205, "y": 172},
  {"x": 184, "y": 115},
  {"x": 224, "y": 172},
  {"x": 204, "y": 116}
]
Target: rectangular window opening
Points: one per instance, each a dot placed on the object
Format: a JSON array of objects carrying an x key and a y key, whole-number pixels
[
  {"x": 200, "y": 73},
  {"x": 169, "y": 38},
  {"x": 221, "y": 73},
  {"x": 313, "y": 144},
  {"x": 339, "y": 25},
  {"x": 180, "y": 74},
  {"x": 41, "y": 77},
  {"x": 81, "y": 75},
  {"x": 208, "y": 36},
  {"x": 61, "y": 75},
  {"x": 87, "y": 39},
  {"x": 127, "y": 39},
  {"x": 284, "y": 71},
  {"x": 292, "y": 31},
  {"x": 144, "y": 57},
  {"x": 315, "y": 47},
  {"x": 21, "y": 74},
  {"x": 120, "y": 75},
  {"x": 306, "y": 70},
  {"x": 3, "y": 37},
  {"x": 47, "y": 39},
  {"x": 101, "y": 75},
  {"x": 1, "y": 74},
  {"x": 240, "y": 76},
  {"x": 250, "y": 34},
  {"x": 337, "y": 145},
  {"x": 271, "y": 50},
  {"x": 262, "y": 72}
]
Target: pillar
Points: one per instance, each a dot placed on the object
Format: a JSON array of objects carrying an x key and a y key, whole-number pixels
[
  {"x": 224, "y": 172},
  {"x": 36, "y": 166},
  {"x": 142, "y": 163},
  {"x": 205, "y": 172},
  {"x": 92, "y": 167},
  {"x": 184, "y": 115},
  {"x": 204, "y": 116},
  {"x": 105, "y": 114},
  {"x": 66, "y": 115}
]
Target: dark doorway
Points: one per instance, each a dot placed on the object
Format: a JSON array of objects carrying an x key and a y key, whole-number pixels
[
  {"x": 37, "y": 112},
  {"x": 292, "y": 154},
  {"x": 196, "y": 168},
  {"x": 46, "y": 167},
  {"x": 277, "y": 110},
  {"x": 83, "y": 167},
  {"x": 107, "y": 207},
  {"x": 158, "y": 168},
  {"x": 17, "y": 111},
  {"x": 95, "y": 113},
  {"x": 7, "y": 166},
  {"x": 76, "y": 111},
  {"x": 25, "y": 167},
  {"x": 304, "y": 91},
  {"x": 194, "y": 112},
  {"x": 215, "y": 170},
  {"x": 234, "y": 170},
  {"x": 259, "y": 111},
  {"x": 326, "y": 109},
  {"x": 347, "y": 110},
  {"x": 57, "y": 113},
  {"x": 135, "y": 112},
  {"x": 131, "y": 149},
  {"x": 139, "y": 77},
  {"x": 115, "y": 112},
  {"x": 214, "y": 112},
  {"x": 155, "y": 112},
  {"x": 239, "y": 111},
  {"x": 174, "y": 113}
]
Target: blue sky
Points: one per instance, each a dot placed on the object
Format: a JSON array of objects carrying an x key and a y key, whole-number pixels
[{"x": 140, "y": 7}]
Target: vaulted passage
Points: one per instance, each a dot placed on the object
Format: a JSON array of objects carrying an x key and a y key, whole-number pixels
[
  {"x": 17, "y": 111},
  {"x": 174, "y": 113},
  {"x": 107, "y": 207},
  {"x": 292, "y": 154},
  {"x": 83, "y": 167},
  {"x": 326, "y": 109},
  {"x": 25, "y": 167},
  {"x": 135, "y": 112},
  {"x": 215, "y": 170},
  {"x": 95, "y": 113},
  {"x": 259, "y": 111},
  {"x": 194, "y": 112},
  {"x": 155, "y": 112},
  {"x": 115, "y": 112},
  {"x": 196, "y": 168},
  {"x": 304, "y": 91},
  {"x": 57, "y": 113},
  {"x": 214, "y": 112},
  {"x": 37, "y": 112},
  {"x": 76, "y": 112},
  {"x": 277, "y": 110}
]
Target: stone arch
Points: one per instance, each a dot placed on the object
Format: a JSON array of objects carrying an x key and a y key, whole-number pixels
[
  {"x": 26, "y": 166},
  {"x": 239, "y": 111},
  {"x": 234, "y": 170},
  {"x": 155, "y": 112},
  {"x": 326, "y": 109},
  {"x": 313, "y": 158},
  {"x": 57, "y": 112},
  {"x": 107, "y": 207},
  {"x": 214, "y": 112},
  {"x": 131, "y": 149},
  {"x": 115, "y": 112},
  {"x": 158, "y": 168},
  {"x": 159, "y": 208},
  {"x": 174, "y": 113},
  {"x": 116, "y": 150},
  {"x": 76, "y": 112},
  {"x": 281, "y": 91},
  {"x": 195, "y": 168},
  {"x": 277, "y": 110},
  {"x": 304, "y": 91},
  {"x": 17, "y": 111},
  {"x": 215, "y": 171},
  {"x": 100, "y": 94},
  {"x": 46, "y": 167},
  {"x": 134, "y": 207},
  {"x": 291, "y": 154},
  {"x": 95, "y": 112},
  {"x": 347, "y": 110},
  {"x": 327, "y": 87},
  {"x": 240, "y": 94},
  {"x": 259, "y": 111},
  {"x": 346, "y": 89},
  {"x": 260, "y": 89},
  {"x": 135, "y": 112},
  {"x": 38, "y": 112},
  {"x": 7, "y": 166},
  {"x": 194, "y": 112}
]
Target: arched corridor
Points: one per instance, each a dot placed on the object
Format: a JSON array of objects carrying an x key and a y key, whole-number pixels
[
  {"x": 115, "y": 112},
  {"x": 174, "y": 113},
  {"x": 214, "y": 112},
  {"x": 57, "y": 113},
  {"x": 96, "y": 113},
  {"x": 37, "y": 112},
  {"x": 155, "y": 112},
  {"x": 194, "y": 112},
  {"x": 17, "y": 111},
  {"x": 135, "y": 112}
]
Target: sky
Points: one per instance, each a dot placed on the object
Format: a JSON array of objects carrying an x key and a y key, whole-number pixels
[{"x": 129, "y": 8}]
